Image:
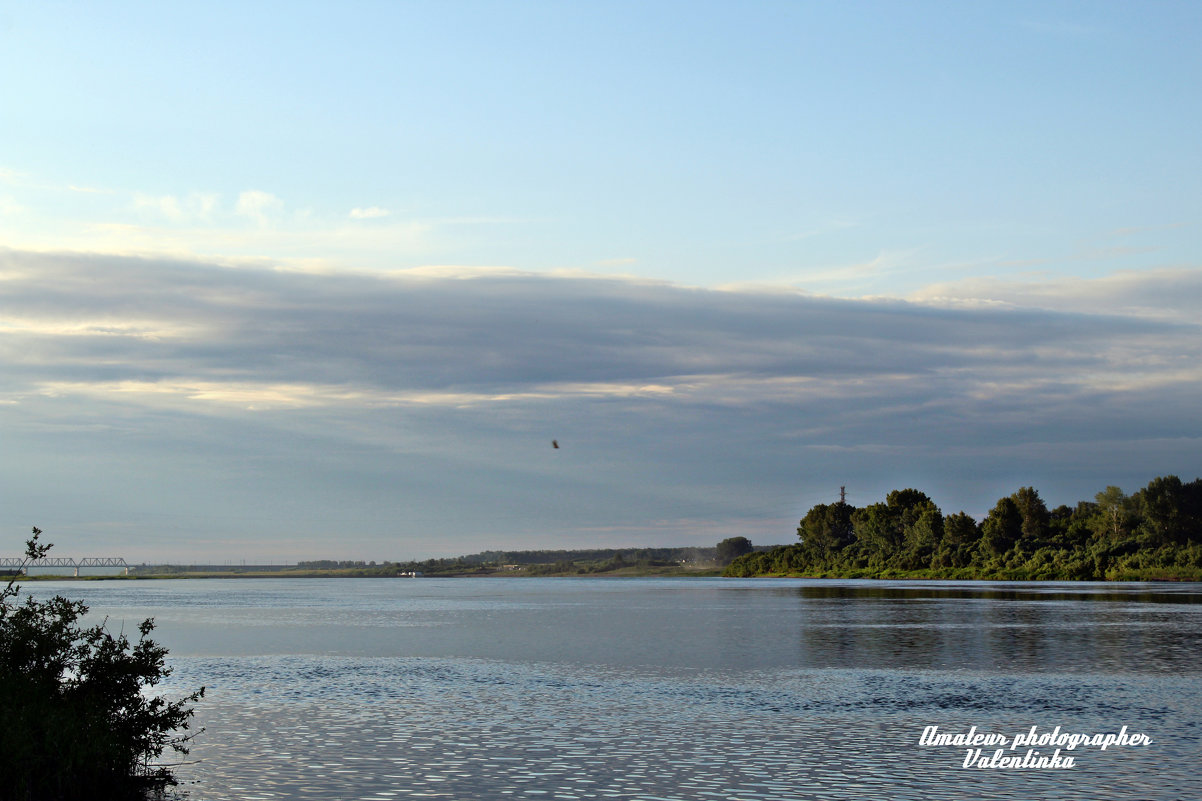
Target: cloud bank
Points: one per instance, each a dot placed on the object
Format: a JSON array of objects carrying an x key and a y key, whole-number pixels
[{"x": 178, "y": 404}]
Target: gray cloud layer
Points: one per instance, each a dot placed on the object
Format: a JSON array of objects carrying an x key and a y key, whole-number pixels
[{"x": 418, "y": 407}]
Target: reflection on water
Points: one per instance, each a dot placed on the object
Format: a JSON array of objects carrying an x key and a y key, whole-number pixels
[
  {"x": 1089, "y": 628},
  {"x": 1144, "y": 593},
  {"x": 669, "y": 689}
]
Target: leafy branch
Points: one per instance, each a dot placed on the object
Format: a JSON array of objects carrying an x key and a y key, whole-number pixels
[{"x": 78, "y": 722}]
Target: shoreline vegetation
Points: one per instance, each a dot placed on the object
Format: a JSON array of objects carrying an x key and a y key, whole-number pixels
[
  {"x": 598, "y": 562},
  {"x": 1153, "y": 535}
]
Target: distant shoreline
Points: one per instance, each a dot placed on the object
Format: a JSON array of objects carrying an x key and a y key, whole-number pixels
[
  {"x": 629, "y": 572},
  {"x": 599, "y": 562}
]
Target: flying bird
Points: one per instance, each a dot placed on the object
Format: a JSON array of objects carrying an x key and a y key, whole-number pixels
[{"x": 554, "y": 443}]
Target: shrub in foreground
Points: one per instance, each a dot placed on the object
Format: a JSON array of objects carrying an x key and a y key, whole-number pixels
[{"x": 76, "y": 721}]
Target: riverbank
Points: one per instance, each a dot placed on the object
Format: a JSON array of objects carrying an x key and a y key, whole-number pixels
[
  {"x": 520, "y": 571},
  {"x": 1168, "y": 574},
  {"x": 944, "y": 574}
]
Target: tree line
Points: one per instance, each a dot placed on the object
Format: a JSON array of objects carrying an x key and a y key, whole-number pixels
[
  {"x": 1153, "y": 534},
  {"x": 557, "y": 561}
]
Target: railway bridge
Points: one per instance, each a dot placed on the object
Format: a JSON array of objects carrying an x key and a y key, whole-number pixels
[{"x": 23, "y": 565}]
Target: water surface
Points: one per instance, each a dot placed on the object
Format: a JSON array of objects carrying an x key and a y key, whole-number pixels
[{"x": 675, "y": 689}]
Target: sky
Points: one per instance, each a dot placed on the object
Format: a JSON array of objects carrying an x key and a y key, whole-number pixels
[{"x": 287, "y": 281}]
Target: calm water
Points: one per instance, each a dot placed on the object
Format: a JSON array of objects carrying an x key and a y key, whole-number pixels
[{"x": 687, "y": 689}]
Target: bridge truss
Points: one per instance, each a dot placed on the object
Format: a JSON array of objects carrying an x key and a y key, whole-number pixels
[{"x": 23, "y": 565}]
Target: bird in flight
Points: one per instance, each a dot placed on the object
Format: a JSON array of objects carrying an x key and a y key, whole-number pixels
[{"x": 554, "y": 443}]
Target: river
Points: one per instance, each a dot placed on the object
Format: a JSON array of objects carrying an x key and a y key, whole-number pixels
[{"x": 679, "y": 689}]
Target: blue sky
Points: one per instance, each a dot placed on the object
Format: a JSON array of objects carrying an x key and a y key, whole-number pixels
[{"x": 323, "y": 280}]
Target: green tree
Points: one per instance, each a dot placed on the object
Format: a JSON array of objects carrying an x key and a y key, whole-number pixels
[
  {"x": 827, "y": 528},
  {"x": 1115, "y": 514},
  {"x": 1171, "y": 511},
  {"x": 1002, "y": 527},
  {"x": 960, "y": 537},
  {"x": 906, "y": 500},
  {"x": 1160, "y": 503},
  {"x": 732, "y": 548},
  {"x": 878, "y": 533},
  {"x": 960, "y": 529},
  {"x": 926, "y": 532},
  {"x": 1034, "y": 514},
  {"x": 78, "y": 723}
]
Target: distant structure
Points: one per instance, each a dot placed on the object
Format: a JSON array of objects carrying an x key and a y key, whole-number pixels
[
  {"x": 23, "y": 565},
  {"x": 842, "y": 494},
  {"x": 554, "y": 443}
]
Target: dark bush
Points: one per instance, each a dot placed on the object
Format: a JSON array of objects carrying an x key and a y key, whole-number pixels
[{"x": 77, "y": 723}]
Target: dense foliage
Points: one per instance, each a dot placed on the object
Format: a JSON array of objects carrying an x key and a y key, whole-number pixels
[
  {"x": 77, "y": 724},
  {"x": 1154, "y": 534},
  {"x": 732, "y": 548}
]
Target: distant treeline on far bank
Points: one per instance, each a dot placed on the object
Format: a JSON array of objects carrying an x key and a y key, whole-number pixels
[
  {"x": 1155, "y": 534},
  {"x": 680, "y": 561},
  {"x": 588, "y": 561},
  {"x": 580, "y": 562}
]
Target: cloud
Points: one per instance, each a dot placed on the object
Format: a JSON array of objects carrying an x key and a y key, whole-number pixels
[
  {"x": 369, "y": 213},
  {"x": 854, "y": 277},
  {"x": 258, "y": 205},
  {"x": 202, "y": 225},
  {"x": 1171, "y": 293},
  {"x": 167, "y": 205},
  {"x": 435, "y": 392},
  {"x": 194, "y": 207},
  {"x": 465, "y": 338}
]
